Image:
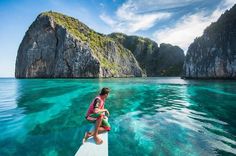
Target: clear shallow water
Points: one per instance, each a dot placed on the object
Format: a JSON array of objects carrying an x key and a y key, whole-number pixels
[{"x": 149, "y": 116}]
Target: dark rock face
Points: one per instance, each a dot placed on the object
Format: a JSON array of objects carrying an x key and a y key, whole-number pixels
[
  {"x": 170, "y": 60},
  {"x": 166, "y": 60},
  {"x": 60, "y": 46},
  {"x": 57, "y": 46},
  {"x": 213, "y": 55}
]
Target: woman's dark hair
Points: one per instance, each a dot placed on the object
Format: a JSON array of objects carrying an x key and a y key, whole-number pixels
[{"x": 105, "y": 91}]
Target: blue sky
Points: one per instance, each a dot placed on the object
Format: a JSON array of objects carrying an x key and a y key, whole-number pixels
[{"x": 164, "y": 21}]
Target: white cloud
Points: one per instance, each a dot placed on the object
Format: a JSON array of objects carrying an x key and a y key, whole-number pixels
[
  {"x": 190, "y": 26},
  {"x": 184, "y": 31},
  {"x": 108, "y": 20},
  {"x": 128, "y": 20},
  {"x": 136, "y": 15},
  {"x": 228, "y": 3},
  {"x": 102, "y": 5},
  {"x": 154, "y": 5}
]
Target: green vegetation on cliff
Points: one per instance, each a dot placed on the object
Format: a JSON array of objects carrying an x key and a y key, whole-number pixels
[
  {"x": 96, "y": 41},
  {"x": 166, "y": 60},
  {"x": 111, "y": 49}
]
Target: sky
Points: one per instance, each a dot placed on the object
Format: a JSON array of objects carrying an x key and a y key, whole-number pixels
[{"x": 177, "y": 22}]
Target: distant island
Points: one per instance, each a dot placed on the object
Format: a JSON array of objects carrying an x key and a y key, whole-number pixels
[{"x": 59, "y": 46}]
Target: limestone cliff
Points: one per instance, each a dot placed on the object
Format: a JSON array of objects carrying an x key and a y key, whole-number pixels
[
  {"x": 166, "y": 60},
  {"x": 213, "y": 55},
  {"x": 57, "y": 45}
]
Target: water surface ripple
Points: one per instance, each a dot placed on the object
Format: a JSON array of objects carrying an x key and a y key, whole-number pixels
[{"x": 149, "y": 116}]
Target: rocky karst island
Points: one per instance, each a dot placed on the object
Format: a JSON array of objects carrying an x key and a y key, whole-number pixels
[
  {"x": 213, "y": 55},
  {"x": 59, "y": 46}
]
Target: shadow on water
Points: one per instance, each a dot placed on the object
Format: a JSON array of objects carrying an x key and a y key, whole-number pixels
[{"x": 31, "y": 92}]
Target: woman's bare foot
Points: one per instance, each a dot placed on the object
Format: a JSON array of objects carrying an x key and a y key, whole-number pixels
[
  {"x": 97, "y": 140},
  {"x": 86, "y": 136}
]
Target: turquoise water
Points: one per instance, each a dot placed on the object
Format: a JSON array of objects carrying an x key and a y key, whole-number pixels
[{"x": 149, "y": 116}]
